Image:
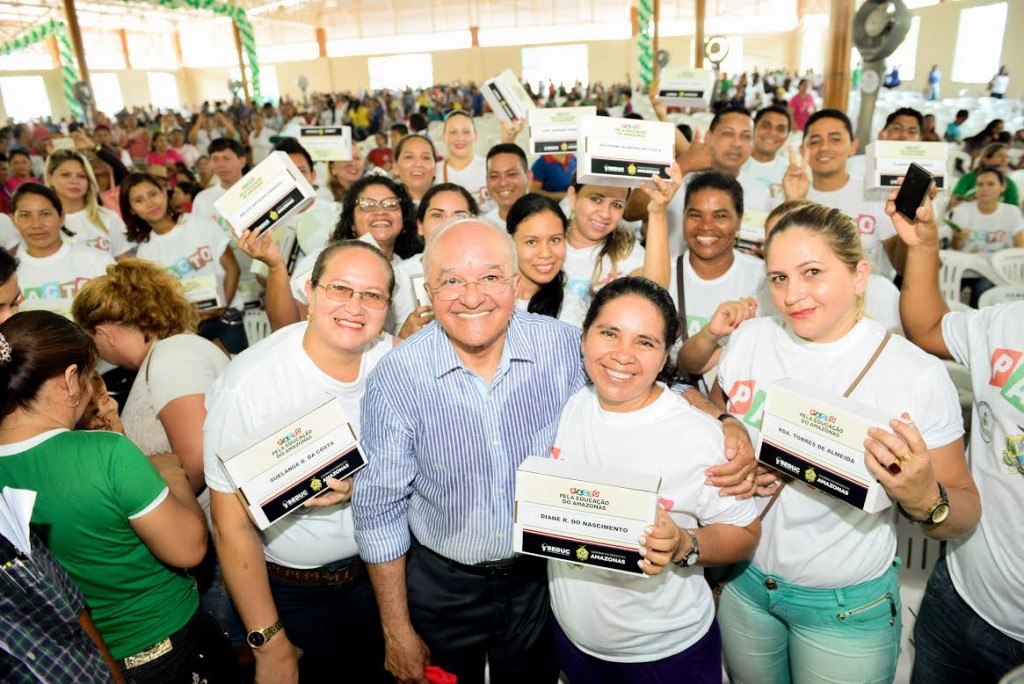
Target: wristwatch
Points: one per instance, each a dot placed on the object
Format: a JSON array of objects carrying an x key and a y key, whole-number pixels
[
  {"x": 725, "y": 416},
  {"x": 693, "y": 555},
  {"x": 258, "y": 638},
  {"x": 938, "y": 512}
]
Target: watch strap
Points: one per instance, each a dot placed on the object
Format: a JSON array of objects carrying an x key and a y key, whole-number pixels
[{"x": 266, "y": 632}]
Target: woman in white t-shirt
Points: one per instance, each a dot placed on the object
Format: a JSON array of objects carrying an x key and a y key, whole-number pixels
[
  {"x": 86, "y": 222},
  {"x": 627, "y": 628},
  {"x": 50, "y": 271},
  {"x": 139, "y": 318},
  {"x": 599, "y": 249},
  {"x": 462, "y": 166},
  {"x": 820, "y": 600},
  {"x": 415, "y": 165},
  {"x": 194, "y": 249},
  {"x": 300, "y": 584},
  {"x": 987, "y": 225}
]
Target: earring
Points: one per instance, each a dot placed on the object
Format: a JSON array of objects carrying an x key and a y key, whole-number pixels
[
  {"x": 309, "y": 316},
  {"x": 78, "y": 400}
]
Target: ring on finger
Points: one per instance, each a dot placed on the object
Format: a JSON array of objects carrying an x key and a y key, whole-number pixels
[
  {"x": 905, "y": 458},
  {"x": 894, "y": 468},
  {"x": 751, "y": 478}
]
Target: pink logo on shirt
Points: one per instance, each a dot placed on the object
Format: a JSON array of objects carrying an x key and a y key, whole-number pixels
[{"x": 865, "y": 224}]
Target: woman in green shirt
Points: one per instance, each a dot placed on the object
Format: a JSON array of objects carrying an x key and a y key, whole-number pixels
[
  {"x": 994, "y": 154},
  {"x": 118, "y": 522}
]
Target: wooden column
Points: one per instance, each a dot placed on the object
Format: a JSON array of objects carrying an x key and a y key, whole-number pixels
[
  {"x": 474, "y": 34},
  {"x": 321, "y": 40},
  {"x": 51, "y": 46},
  {"x": 654, "y": 39},
  {"x": 124, "y": 48},
  {"x": 176, "y": 45},
  {"x": 701, "y": 7},
  {"x": 837, "y": 55},
  {"x": 241, "y": 62},
  {"x": 75, "y": 35}
]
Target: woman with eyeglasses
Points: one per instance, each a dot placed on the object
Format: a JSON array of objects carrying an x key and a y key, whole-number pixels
[{"x": 300, "y": 584}]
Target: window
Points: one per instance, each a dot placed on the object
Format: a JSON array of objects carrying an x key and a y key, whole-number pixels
[
  {"x": 34, "y": 58},
  {"x": 560, "y": 64},
  {"x": 207, "y": 43},
  {"x": 979, "y": 43},
  {"x": 152, "y": 51},
  {"x": 163, "y": 90},
  {"x": 104, "y": 50},
  {"x": 107, "y": 91},
  {"x": 25, "y": 97},
  {"x": 399, "y": 71},
  {"x": 291, "y": 52},
  {"x": 905, "y": 56}
]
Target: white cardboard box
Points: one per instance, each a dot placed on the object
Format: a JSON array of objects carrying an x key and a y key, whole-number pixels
[
  {"x": 327, "y": 143},
  {"x": 507, "y": 97},
  {"x": 583, "y": 513},
  {"x": 886, "y": 160},
  {"x": 203, "y": 292},
  {"x": 287, "y": 465},
  {"x": 267, "y": 195},
  {"x": 623, "y": 152},
  {"x": 686, "y": 87},
  {"x": 556, "y": 131},
  {"x": 818, "y": 438}
]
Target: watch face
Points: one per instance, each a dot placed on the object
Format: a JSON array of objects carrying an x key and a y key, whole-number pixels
[
  {"x": 691, "y": 558},
  {"x": 940, "y": 513},
  {"x": 256, "y": 639}
]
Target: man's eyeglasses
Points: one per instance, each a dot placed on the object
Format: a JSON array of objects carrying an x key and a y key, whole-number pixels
[
  {"x": 343, "y": 294},
  {"x": 451, "y": 289},
  {"x": 387, "y": 204}
]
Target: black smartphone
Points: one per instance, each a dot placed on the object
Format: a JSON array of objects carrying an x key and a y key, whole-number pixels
[{"x": 916, "y": 183}]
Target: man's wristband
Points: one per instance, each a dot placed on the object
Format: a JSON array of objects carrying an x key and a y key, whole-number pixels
[{"x": 725, "y": 416}]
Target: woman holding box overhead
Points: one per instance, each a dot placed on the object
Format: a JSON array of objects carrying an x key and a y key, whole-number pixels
[
  {"x": 820, "y": 599},
  {"x": 614, "y": 627},
  {"x": 599, "y": 249},
  {"x": 300, "y": 584}
]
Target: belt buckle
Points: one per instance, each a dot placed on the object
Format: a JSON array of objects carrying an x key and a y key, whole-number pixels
[{"x": 149, "y": 655}]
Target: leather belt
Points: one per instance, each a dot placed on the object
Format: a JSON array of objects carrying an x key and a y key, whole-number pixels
[
  {"x": 150, "y": 654},
  {"x": 321, "y": 576}
]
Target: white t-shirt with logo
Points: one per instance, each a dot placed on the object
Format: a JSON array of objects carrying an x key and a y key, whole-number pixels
[
  {"x": 987, "y": 233},
  {"x": 494, "y": 217},
  {"x": 473, "y": 178},
  {"x": 579, "y": 269},
  {"x": 52, "y": 282},
  {"x": 203, "y": 207},
  {"x": 769, "y": 174},
  {"x": 743, "y": 279},
  {"x": 869, "y": 217},
  {"x": 192, "y": 249},
  {"x": 810, "y": 538},
  {"x": 113, "y": 240},
  {"x": 260, "y": 388},
  {"x": 624, "y": 618},
  {"x": 882, "y": 303},
  {"x": 986, "y": 566}
]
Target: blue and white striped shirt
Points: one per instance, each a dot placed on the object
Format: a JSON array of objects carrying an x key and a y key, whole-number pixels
[{"x": 442, "y": 455}]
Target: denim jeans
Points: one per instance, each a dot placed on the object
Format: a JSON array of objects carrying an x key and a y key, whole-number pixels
[
  {"x": 227, "y": 328},
  {"x": 774, "y": 632},
  {"x": 953, "y": 644},
  {"x": 201, "y": 653},
  {"x": 337, "y": 627}
]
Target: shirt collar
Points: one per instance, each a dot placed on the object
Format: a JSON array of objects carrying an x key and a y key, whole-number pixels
[{"x": 517, "y": 347}]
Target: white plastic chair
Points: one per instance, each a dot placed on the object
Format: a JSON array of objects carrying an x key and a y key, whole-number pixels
[
  {"x": 1009, "y": 263},
  {"x": 955, "y": 264},
  {"x": 957, "y": 305},
  {"x": 1001, "y": 294},
  {"x": 256, "y": 324}
]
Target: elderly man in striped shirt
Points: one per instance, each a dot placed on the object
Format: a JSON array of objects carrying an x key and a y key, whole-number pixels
[{"x": 447, "y": 418}]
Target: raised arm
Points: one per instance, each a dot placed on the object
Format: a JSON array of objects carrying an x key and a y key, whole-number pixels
[{"x": 657, "y": 266}]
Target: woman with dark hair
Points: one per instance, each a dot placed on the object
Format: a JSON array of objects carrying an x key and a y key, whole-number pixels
[
  {"x": 10, "y": 291},
  {"x": 118, "y": 522},
  {"x": 611, "y": 626},
  {"x": 193, "y": 248},
  {"x": 51, "y": 270},
  {"x": 994, "y": 156},
  {"x": 415, "y": 165},
  {"x": 538, "y": 226},
  {"x": 300, "y": 586}
]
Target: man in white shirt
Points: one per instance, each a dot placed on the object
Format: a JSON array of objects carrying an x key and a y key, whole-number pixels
[
  {"x": 828, "y": 144},
  {"x": 508, "y": 179},
  {"x": 772, "y": 126}
]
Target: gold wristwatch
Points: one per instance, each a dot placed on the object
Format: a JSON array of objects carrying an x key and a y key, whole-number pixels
[{"x": 258, "y": 638}]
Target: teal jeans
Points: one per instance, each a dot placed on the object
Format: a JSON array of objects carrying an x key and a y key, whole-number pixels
[{"x": 776, "y": 633}]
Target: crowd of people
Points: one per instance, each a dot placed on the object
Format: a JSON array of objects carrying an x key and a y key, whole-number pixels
[{"x": 466, "y": 312}]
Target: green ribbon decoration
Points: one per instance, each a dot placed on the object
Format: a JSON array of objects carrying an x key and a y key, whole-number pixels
[{"x": 645, "y": 41}]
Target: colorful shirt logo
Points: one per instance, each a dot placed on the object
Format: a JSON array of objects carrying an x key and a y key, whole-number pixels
[
  {"x": 1008, "y": 376},
  {"x": 747, "y": 401}
]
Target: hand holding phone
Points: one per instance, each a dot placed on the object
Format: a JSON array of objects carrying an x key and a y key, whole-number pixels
[{"x": 914, "y": 189}]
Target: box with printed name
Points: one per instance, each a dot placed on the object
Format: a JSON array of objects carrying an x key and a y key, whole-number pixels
[{"x": 624, "y": 152}]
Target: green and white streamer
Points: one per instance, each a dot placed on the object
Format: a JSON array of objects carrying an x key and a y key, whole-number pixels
[
  {"x": 68, "y": 69},
  {"x": 645, "y": 41}
]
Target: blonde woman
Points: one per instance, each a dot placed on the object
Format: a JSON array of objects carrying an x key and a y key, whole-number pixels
[{"x": 87, "y": 222}]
